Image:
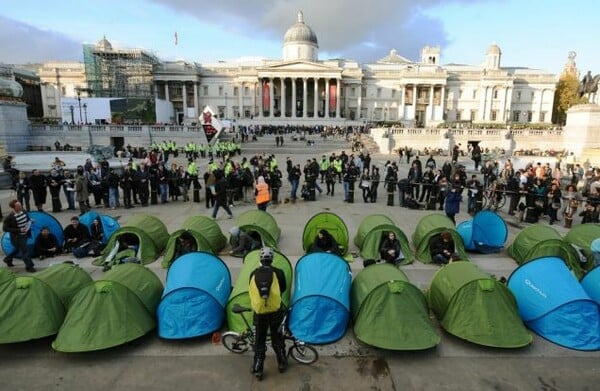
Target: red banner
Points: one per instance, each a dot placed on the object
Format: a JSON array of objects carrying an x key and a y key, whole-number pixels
[
  {"x": 266, "y": 101},
  {"x": 332, "y": 97}
]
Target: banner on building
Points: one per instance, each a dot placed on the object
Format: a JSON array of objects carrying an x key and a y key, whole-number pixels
[
  {"x": 332, "y": 97},
  {"x": 266, "y": 97}
]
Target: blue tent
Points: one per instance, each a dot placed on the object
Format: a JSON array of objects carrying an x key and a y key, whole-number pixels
[
  {"x": 39, "y": 220},
  {"x": 321, "y": 300},
  {"x": 109, "y": 224},
  {"x": 484, "y": 233},
  {"x": 553, "y": 304},
  {"x": 193, "y": 302},
  {"x": 591, "y": 284}
]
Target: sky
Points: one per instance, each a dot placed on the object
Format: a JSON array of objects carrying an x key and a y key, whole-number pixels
[{"x": 531, "y": 33}]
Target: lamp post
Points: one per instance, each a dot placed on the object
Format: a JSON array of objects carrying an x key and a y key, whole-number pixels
[
  {"x": 79, "y": 103},
  {"x": 72, "y": 117},
  {"x": 85, "y": 112}
]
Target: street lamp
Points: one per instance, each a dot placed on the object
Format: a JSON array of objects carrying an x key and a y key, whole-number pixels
[
  {"x": 85, "y": 112},
  {"x": 72, "y": 117},
  {"x": 79, "y": 102}
]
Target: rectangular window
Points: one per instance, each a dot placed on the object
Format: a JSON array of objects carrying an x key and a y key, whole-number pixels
[
  {"x": 393, "y": 94},
  {"x": 518, "y": 96},
  {"x": 353, "y": 92},
  {"x": 495, "y": 94},
  {"x": 205, "y": 90},
  {"x": 543, "y": 116},
  {"x": 246, "y": 91},
  {"x": 460, "y": 92},
  {"x": 474, "y": 94},
  {"x": 529, "y": 116},
  {"x": 236, "y": 91},
  {"x": 220, "y": 91},
  {"x": 532, "y": 96},
  {"x": 363, "y": 92},
  {"x": 494, "y": 115},
  {"x": 459, "y": 115},
  {"x": 379, "y": 92},
  {"x": 516, "y": 116},
  {"x": 473, "y": 115}
]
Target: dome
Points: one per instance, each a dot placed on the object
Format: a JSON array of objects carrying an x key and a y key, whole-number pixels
[
  {"x": 10, "y": 88},
  {"x": 494, "y": 49},
  {"x": 104, "y": 45},
  {"x": 300, "y": 32}
]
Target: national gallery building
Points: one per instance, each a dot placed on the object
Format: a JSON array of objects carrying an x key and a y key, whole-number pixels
[{"x": 300, "y": 89}]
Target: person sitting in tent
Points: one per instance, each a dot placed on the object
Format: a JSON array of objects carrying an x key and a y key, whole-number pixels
[
  {"x": 185, "y": 244},
  {"x": 76, "y": 235},
  {"x": 46, "y": 244},
  {"x": 242, "y": 242},
  {"x": 324, "y": 242},
  {"x": 442, "y": 248},
  {"x": 390, "y": 250},
  {"x": 97, "y": 234},
  {"x": 125, "y": 251}
]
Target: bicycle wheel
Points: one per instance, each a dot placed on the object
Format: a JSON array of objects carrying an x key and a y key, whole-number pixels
[
  {"x": 501, "y": 201},
  {"x": 234, "y": 342},
  {"x": 303, "y": 353}
]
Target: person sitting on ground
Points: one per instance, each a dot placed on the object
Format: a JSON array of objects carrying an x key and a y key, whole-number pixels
[
  {"x": 46, "y": 244},
  {"x": 442, "y": 248},
  {"x": 97, "y": 236},
  {"x": 76, "y": 235},
  {"x": 324, "y": 242},
  {"x": 241, "y": 242},
  {"x": 390, "y": 250},
  {"x": 185, "y": 244}
]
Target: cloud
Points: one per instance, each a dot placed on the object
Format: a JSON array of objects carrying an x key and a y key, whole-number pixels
[
  {"x": 22, "y": 43},
  {"x": 355, "y": 29}
]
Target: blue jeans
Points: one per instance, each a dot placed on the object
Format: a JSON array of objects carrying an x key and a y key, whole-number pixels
[
  {"x": 164, "y": 192},
  {"x": 346, "y": 189},
  {"x": 70, "y": 196},
  {"x": 294, "y": 183},
  {"x": 440, "y": 258},
  {"x": 19, "y": 243},
  {"x": 113, "y": 197}
]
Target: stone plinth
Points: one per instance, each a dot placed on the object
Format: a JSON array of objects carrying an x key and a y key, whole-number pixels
[
  {"x": 14, "y": 125},
  {"x": 582, "y": 131}
]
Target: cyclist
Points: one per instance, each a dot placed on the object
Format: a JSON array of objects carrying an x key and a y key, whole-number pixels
[{"x": 268, "y": 318}]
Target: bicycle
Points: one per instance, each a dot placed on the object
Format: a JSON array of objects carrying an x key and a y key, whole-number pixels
[
  {"x": 494, "y": 198},
  {"x": 239, "y": 343}
]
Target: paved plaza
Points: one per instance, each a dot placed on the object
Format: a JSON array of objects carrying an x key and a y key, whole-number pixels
[{"x": 154, "y": 364}]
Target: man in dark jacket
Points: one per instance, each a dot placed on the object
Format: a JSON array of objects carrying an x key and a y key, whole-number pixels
[
  {"x": 442, "y": 248},
  {"x": 220, "y": 194},
  {"x": 18, "y": 225},
  {"x": 75, "y": 234}
]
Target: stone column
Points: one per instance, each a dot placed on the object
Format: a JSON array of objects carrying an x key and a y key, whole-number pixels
[
  {"x": 327, "y": 98},
  {"x": 196, "y": 111},
  {"x": 414, "y": 102},
  {"x": 316, "y": 98},
  {"x": 260, "y": 98},
  {"x": 505, "y": 114},
  {"x": 482, "y": 104},
  {"x": 541, "y": 105},
  {"x": 184, "y": 96},
  {"x": 359, "y": 103},
  {"x": 443, "y": 101},
  {"x": 338, "y": 92},
  {"x": 294, "y": 98},
  {"x": 241, "y": 101},
  {"x": 304, "y": 97},
  {"x": 401, "y": 103},
  {"x": 271, "y": 97},
  {"x": 431, "y": 90},
  {"x": 167, "y": 91},
  {"x": 282, "y": 100}
]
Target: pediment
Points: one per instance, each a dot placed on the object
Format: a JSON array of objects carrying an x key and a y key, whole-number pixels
[{"x": 301, "y": 66}]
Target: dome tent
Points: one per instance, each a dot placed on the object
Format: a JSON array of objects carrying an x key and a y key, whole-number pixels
[
  {"x": 209, "y": 229},
  {"x": 111, "y": 311},
  {"x": 330, "y": 222},
  {"x": 145, "y": 232},
  {"x": 201, "y": 245},
  {"x": 321, "y": 299},
  {"x": 554, "y": 305},
  {"x": 538, "y": 241},
  {"x": 239, "y": 294},
  {"x": 428, "y": 228},
  {"x": 198, "y": 285},
  {"x": 370, "y": 234},
  {"x": 35, "y": 306},
  {"x": 109, "y": 224},
  {"x": 476, "y": 307},
  {"x": 484, "y": 233},
  {"x": 381, "y": 295},
  {"x": 582, "y": 236},
  {"x": 591, "y": 284},
  {"x": 260, "y": 222},
  {"x": 38, "y": 220}
]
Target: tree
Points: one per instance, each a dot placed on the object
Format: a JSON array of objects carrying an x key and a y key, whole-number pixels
[{"x": 565, "y": 96}]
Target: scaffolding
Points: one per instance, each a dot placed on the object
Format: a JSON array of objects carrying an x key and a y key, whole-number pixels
[{"x": 123, "y": 73}]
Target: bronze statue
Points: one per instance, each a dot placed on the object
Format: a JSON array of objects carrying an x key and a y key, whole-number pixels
[{"x": 588, "y": 85}]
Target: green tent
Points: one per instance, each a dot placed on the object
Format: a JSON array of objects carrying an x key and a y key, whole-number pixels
[
  {"x": 116, "y": 309},
  {"x": 429, "y": 227},
  {"x": 262, "y": 223},
  {"x": 330, "y": 222},
  {"x": 476, "y": 307},
  {"x": 582, "y": 236},
  {"x": 5, "y": 276},
  {"x": 540, "y": 240},
  {"x": 145, "y": 233},
  {"x": 239, "y": 294},
  {"x": 209, "y": 229},
  {"x": 201, "y": 245},
  {"x": 35, "y": 306},
  {"x": 389, "y": 312},
  {"x": 372, "y": 230}
]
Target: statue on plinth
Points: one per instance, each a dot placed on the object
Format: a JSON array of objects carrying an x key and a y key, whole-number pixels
[{"x": 589, "y": 87}]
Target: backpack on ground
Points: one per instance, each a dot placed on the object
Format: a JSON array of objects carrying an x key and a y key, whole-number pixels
[{"x": 264, "y": 291}]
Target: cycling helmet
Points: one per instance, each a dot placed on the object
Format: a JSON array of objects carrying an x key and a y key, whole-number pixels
[{"x": 266, "y": 255}]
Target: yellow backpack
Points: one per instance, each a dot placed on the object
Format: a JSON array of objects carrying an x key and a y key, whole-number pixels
[{"x": 264, "y": 291}]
